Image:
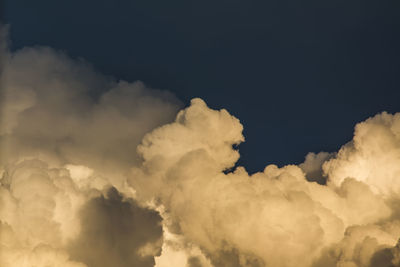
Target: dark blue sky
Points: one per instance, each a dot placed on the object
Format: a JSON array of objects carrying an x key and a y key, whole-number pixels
[{"x": 298, "y": 73}]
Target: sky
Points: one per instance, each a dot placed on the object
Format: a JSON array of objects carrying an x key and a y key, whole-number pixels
[
  {"x": 205, "y": 134},
  {"x": 301, "y": 73}
]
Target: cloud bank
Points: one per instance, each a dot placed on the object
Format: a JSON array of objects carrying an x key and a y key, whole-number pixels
[{"x": 97, "y": 172}]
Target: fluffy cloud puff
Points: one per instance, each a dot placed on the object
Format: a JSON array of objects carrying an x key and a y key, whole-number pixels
[
  {"x": 47, "y": 220},
  {"x": 373, "y": 156},
  {"x": 271, "y": 218},
  {"x": 38, "y": 215}
]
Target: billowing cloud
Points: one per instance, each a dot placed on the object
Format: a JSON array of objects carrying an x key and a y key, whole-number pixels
[
  {"x": 38, "y": 215},
  {"x": 96, "y": 172},
  {"x": 62, "y": 111},
  {"x": 275, "y": 217},
  {"x": 373, "y": 156},
  {"x": 67, "y": 134},
  {"x": 46, "y": 220}
]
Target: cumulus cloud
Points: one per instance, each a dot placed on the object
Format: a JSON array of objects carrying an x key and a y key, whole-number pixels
[
  {"x": 38, "y": 215},
  {"x": 97, "y": 172},
  {"x": 312, "y": 166},
  {"x": 373, "y": 156},
  {"x": 62, "y": 111},
  {"x": 67, "y": 134},
  {"x": 117, "y": 232},
  {"x": 271, "y": 218},
  {"x": 46, "y": 220}
]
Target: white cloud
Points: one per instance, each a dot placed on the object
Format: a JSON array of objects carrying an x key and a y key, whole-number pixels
[{"x": 68, "y": 134}]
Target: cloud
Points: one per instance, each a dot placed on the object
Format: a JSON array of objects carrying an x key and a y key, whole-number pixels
[
  {"x": 47, "y": 221},
  {"x": 312, "y": 166},
  {"x": 271, "y": 218},
  {"x": 117, "y": 232},
  {"x": 373, "y": 156},
  {"x": 38, "y": 215},
  {"x": 67, "y": 133},
  {"x": 97, "y": 172},
  {"x": 62, "y": 111}
]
